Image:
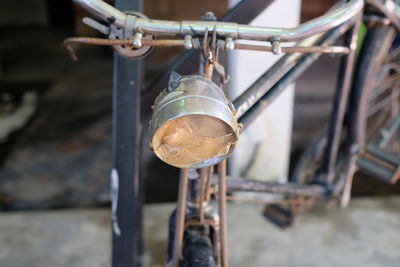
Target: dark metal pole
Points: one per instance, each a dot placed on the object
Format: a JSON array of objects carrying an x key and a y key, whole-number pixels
[
  {"x": 126, "y": 185},
  {"x": 340, "y": 104}
]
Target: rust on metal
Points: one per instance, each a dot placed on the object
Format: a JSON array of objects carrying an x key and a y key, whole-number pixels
[
  {"x": 178, "y": 42},
  {"x": 93, "y": 41},
  {"x": 208, "y": 189},
  {"x": 295, "y": 49},
  {"x": 180, "y": 216},
  {"x": 293, "y": 189},
  {"x": 223, "y": 212},
  {"x": 202, "y": 192},
  {"x": 116, "y": 42}
]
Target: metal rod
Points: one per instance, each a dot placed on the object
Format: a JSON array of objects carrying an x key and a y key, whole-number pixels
[
  {"x": 340, "y": 104},
  {"x": 223, "y": 212},
  {"x": 386, "y": 102},
  {"x": 92, "y": 41},
  {"x": 348, "y": 180},
  {"x": 387, "y": 133},
  {"x": 115, "y": 42},
  {"x": 202, "y": 192},
  {"x": 177, "y": 42},
  {"x": 163, "y": 27},
  {"x": 180, "y": 216},
  {"x": 293, "y": 189},
  {"x": 127, "y": 42},
  {"x": 384, "y": 85},
  {"x": 209, "y": 182},
  {"x": 209, "y": 58},
  {"x": 257, "y": 90},
  {"x": 295, "y": 49}
]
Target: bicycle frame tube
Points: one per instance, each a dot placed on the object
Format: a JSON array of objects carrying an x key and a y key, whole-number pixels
[
  {"x": 340, "y": 104},
  {"x": 262, "y": 92}
]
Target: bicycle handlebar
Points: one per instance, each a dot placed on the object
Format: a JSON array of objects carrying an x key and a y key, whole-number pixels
[{"x": 321, "y": 24}]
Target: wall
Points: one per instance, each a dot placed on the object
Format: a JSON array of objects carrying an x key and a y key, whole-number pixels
[{"x": 263, "y": 149}]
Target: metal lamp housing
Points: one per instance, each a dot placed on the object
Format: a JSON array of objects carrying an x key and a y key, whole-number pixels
[{"x": 193, "y": 123}]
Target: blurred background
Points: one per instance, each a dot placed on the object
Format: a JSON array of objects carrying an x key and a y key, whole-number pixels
[{"x": 55, "y": 132}]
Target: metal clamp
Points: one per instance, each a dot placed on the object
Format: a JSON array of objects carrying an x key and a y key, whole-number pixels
[
  {"x": 229, "y": 44},
  {"x": 136, "y": 50},
  {"x": 188, "y": 43},
  {"x": 96, "y": 25},
  {"x": 276, "y": 47}
]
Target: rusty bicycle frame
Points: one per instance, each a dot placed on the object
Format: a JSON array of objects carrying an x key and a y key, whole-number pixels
[{"x": 314, "y": 39}]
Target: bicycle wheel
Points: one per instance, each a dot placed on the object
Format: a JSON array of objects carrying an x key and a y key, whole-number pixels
[{"x": 376, "y": 94}]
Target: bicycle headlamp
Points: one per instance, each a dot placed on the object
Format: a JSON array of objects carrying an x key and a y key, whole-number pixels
[{"x": 193, "y": 123}]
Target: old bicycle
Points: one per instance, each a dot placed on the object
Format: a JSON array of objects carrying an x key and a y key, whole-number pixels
[{"x": 195, "y": 126}]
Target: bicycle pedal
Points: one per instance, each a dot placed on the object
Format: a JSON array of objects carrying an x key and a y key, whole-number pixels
[
  {"x": 279, "y": 216},
  {"x": 381, "y": 164}
]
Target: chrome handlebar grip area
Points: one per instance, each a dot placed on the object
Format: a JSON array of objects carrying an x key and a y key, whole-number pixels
[
  {"x": 321, "y": 24},
  {"x": 318, "y": 25}
]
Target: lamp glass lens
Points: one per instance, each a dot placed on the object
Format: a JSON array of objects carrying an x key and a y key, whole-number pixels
[{"x": 191, "y": 139}]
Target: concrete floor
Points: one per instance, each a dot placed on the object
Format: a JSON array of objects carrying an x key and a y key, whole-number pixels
[{"x": 366, "y": 234}]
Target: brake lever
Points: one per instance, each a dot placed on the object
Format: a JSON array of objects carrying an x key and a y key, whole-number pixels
[
  {"x": 125, "y": 41},
  {"x": 96, "y": 25}
]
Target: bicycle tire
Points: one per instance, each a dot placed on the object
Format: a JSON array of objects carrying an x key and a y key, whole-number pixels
[
  {"x": 197, "y": 250},
  {"x": 375, "y": 50}
]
